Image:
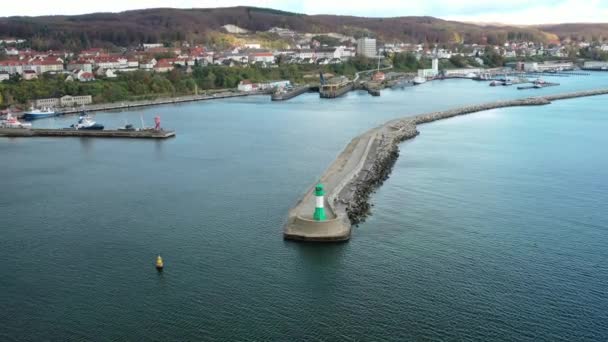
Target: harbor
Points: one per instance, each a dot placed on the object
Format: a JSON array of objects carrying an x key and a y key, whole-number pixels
[{"x": 363, "y": 166}]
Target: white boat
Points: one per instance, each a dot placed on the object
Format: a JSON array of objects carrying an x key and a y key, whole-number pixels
[
  {"x": 12, "y": 122},
  {"x": 419, "y": 80}
]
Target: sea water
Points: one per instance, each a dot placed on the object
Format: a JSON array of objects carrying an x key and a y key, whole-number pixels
[{"x": 492, "y": 226}]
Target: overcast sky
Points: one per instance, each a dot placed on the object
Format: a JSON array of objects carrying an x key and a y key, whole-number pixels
[{"x": 510, "y": 11}]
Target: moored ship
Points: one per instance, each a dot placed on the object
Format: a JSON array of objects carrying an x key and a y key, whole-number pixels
[
  {"x": 34, "y": 114},
  {"x": 86, "y": 123}
]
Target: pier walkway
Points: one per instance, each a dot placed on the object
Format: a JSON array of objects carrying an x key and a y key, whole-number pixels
[{"x": 366, "y": 162}]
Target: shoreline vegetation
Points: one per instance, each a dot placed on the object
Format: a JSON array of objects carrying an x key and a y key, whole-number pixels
[{"x": 143, "y": 85}]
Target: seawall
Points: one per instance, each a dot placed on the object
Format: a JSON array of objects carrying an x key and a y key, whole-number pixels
[{"x": 366, "y": 163}]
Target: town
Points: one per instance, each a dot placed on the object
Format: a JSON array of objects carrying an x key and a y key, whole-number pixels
[{"x": 297, "y": 61}]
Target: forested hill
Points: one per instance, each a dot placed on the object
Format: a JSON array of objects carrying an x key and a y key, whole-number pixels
[{"x": 167, "y": 25}]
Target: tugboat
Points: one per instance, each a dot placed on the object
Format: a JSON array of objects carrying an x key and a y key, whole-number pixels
[
  {"x": 35, "y": 114},
  {"x": 12, "y": 122},
  {"x": 86, "y": 123}
]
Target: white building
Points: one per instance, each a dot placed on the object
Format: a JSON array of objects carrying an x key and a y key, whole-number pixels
[
  {"x": 148, "y": 64},
  {"x": 4, "y": 76},
  {"x": 152, "y": 46},
  {"x": 263, "y": 57},
  {"x": 462, "y": 72},
  {"x": 273, "y": 85},
  {"x": 245, "y": 85},
  {"x": 366, "y": 47},
  {"x": 533, "y": 66},
  {"x": 430, "y": 73},
  {"x": 595, "y": 65}
]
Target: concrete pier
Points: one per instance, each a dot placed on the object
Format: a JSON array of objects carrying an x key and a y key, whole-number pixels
[
  {"x": 364, "y": 165},
  {"x": 290, "y": 94},
  {"x": 37, "y": 132}
]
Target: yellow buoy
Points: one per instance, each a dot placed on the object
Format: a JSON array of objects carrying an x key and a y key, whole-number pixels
[{"x": 159, "y": 263}]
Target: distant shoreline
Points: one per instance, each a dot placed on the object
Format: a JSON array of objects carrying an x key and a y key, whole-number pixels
[{"x": 156, "y": 102}]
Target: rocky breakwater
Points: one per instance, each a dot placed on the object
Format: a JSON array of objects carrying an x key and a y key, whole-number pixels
[{"x": 350, "y": 195}]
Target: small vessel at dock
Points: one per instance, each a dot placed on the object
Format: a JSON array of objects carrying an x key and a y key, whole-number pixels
[
  {"x": 86, "y": 123},
  {"x": 34, "y": 114},
  {"x": 12, "y": 122}
]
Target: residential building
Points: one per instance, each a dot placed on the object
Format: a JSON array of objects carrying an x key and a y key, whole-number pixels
[
  {"x": 29, "y": 75},
  {"x": 111, "y": 62},
  {"x": 164, "y": 65},
  {"x": 47, "y": 65},
  {"x": 94, "y": 52},
  {"x": 80, "y": 64},
  {"x": 263, "y": 57},
  {"x": 83, "y": 76},
  {"x": 245, "y": 85},
  {"x": 151, "y": 46},
  {"x": 11, "y": 67},
  {"x": 366, "y": 47},
  {"x": 148, "y": 64}
]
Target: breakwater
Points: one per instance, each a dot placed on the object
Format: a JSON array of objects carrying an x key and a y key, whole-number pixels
[
  {"x": 367, "y": 162},
  {"x": 40, "y": 132}
]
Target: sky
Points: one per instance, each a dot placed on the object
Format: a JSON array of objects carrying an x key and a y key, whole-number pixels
[{"x": 520, "y": 12}]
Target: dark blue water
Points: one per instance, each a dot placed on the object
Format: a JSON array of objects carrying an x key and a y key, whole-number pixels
[{"x": 492, "y": 226}]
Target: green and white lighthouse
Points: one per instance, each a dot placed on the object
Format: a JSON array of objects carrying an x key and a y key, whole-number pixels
[{"x": 319, "y": 203}]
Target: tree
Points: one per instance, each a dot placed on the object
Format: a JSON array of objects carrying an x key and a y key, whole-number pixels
[{"x": 458, "y": 61}]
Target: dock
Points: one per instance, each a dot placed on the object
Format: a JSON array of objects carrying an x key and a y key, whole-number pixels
[
  {"x": 335, "y": 87},
  {"x": 39, "y": 132},
  {"x": 364, "y": 165},
  {"x": 289, "y": 94},
  {"x": 544, "y": 85}
]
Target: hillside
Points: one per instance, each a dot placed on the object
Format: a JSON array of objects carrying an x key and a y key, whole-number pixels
[{"x": 167, "y": 25}]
